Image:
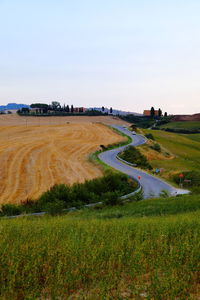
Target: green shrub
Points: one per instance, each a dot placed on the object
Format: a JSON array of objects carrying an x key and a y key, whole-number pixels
[
  {"x": 63, "y": 196},
  {"x": 156, "y": 147},
  {"x": 111, "y": 198},
  {"x": 60, "y": 192},
  {"x": 10, "y": 210},
  {"x": 150, "y": 136},
  {"x": 193, "y": 178},
  {"x": 55, "y": 208},
  {"x": 134, "y": 156}
]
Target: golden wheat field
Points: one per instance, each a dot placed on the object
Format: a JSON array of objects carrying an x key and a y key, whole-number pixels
[
  {"x": 15, "y": 119},
  {"x": 34, "y": 158}
]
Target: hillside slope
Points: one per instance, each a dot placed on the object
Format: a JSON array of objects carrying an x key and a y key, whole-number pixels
[
  {"x": 145, "y": 250},
  {"x": 34, "y": 158}
]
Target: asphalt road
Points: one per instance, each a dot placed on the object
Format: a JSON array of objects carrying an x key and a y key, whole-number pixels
[{"x": 152, "y": 186}]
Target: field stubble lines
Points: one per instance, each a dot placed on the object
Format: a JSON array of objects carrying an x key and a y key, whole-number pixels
[{"x": 32, "y": 159}]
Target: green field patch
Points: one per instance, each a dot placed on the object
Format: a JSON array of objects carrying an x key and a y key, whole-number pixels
[
  {"x": 103, "y": 257},
  {"x": 186, "y": 152},
  {"x": 182, "y": 125}
]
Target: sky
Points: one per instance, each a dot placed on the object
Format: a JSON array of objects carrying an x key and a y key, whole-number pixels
[{"x": 128, "y": 54}]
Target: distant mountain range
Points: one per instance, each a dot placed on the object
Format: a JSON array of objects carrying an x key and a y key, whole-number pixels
[
  {"x": 115, "y": 111},
  {"x": 11, "y": 106}
]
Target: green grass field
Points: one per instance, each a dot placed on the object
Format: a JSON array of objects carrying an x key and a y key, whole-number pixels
[
  {"x": 142, "y": 250},
  {"x": 193, "y": 137},
  {"x": 185, "y": 148},
  {"x": 182, "y": 125}
]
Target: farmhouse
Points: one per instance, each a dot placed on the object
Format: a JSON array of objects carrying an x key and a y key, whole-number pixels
[{"x": 147, "y": 113}]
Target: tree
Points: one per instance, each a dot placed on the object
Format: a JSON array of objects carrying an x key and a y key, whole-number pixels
[
  {"x": 40, "y": 105},
  {"x": 165, "y": 115},
  {"x": 72, "y": 108},
  {"x": 103, "y": 108},
  {"x": 159, "y": 112},
  {"x": 55, "y": 105},
  {"x": 67, "y": 108},
  {"x": 25, "y": 110},
  {"x": 152, "y": 112},
  {"x": 111, "y": 110}
]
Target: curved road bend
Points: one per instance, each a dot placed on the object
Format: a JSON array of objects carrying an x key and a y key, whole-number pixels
[{"x": 152, "y": 186}]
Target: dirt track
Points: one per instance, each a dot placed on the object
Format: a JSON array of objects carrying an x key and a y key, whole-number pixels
[{"x": 34, "y": 158}]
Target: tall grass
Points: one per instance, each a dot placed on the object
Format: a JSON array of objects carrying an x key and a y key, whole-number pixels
[
  {"x": 186, "y": 153},
  {"x": 146, "y": 208},
  {"x": 77, "y": 258}
]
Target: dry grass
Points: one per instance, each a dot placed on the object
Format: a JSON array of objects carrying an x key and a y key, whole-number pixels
[
  {"x": 184, "y": 151},
  {"x": 34, "y": 158},
  {"x": 14, "y": 119},
  {"x": 151, "y": 154}
]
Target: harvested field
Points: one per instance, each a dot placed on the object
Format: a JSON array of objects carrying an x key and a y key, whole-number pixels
[
  {"x": 34, "y": 158},
  {"x": 14, "y": 119}
]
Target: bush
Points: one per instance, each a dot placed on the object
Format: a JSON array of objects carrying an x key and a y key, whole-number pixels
[
  {"x": 192, "y": 176},
  {"x": 150, "y": 136},
  {"x": 60, "y": 192},
  {"x": 133, "y": 155},
  {"x": 55, "y": 208},
  {"x": 156, "y": 147},
  {"x": 111, "y": 198},
  {"x": 61, "y": 196},
  {"x": 10, "y": 210}
]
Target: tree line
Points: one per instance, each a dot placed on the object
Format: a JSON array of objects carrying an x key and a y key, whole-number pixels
[
  {"x": 54, "y": 106},
  {"x": 160, "y": 114}
]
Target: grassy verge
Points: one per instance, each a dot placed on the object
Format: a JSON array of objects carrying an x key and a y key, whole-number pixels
[
  {"x": 94, "y": 157},
  {"x": 181, "y": 153},
  {"x": 146, "y": 208},
  {"x": 134, "y": 257}
]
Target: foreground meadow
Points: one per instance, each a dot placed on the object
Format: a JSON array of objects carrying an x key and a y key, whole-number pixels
[
  {"x": 34, "y": 158},
  {"x": 137, "y": 251}
]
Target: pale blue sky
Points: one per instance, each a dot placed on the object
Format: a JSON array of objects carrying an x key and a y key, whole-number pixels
[{"x": 125, "y": 54}]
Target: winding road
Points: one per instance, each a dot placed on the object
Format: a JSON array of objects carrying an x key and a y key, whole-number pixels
[{"x": 152, "y": 186}]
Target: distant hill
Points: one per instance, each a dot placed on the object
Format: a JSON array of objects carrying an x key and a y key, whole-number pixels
[
  {"x": 11, "y": 106},
  {"x": 115, "y": 111},
  {"x": 178, "y": 118}
]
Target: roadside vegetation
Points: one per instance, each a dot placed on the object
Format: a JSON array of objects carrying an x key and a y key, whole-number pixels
[
  {"x": 142, "y": 122},
  {"x": 179, "y": 154},
  {"x": 94, "y": 157},
  {"x": 107, "y": 189},
  {"x": 147, "y": 249},
  {"x": 134, "y": 156}
]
